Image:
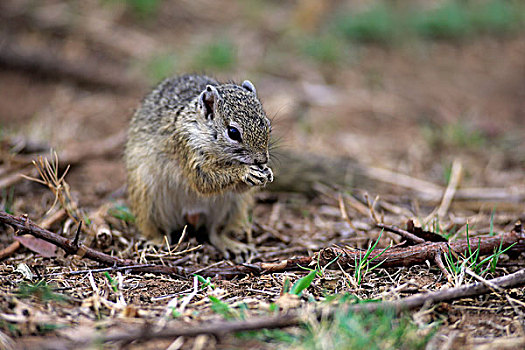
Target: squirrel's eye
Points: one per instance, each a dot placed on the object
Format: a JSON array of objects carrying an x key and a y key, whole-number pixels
[{"x": 234, "y": 134}]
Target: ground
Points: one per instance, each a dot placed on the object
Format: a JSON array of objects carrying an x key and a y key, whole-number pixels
[{"x": 412, "y": 105}]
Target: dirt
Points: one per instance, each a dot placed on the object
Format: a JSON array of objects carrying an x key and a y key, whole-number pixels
[{"x": 412, "y": 109}]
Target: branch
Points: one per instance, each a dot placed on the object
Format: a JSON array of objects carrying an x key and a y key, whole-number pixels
[
  {"x": 47, "y": 63},
  {"x": 420, "y": 253},
  {"x": 9, "y": 250},
  {"x": 258, "y": 268},
  {"x": 313, "y": 169},
  {"x": 82, "y": 151},
  {"x": 74, "y": 154},
  {"x": 217, "y": 329},
  {"x": 47, "y": 222},
  {"x": 410, "y": 237},
  {"x": 513, "y": 280},
  {"x": 222, "y": 328},
  {"x": 24, "y": 225},
  {"x": 413, "y": 255}
]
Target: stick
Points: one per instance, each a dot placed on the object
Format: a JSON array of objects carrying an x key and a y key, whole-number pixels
[
  {"x": 417, "y": 254},
  {"x": 48, "y": 64},
  {"x": 105, "y": 269},
  {"x": 342, "y": 171},
  {"x": 222, "y": 328},
  {"x": 218, "y": 329},
  {"x": 15, "y": 177},
  {"x": 75, "y": 154},
  {"x": 9, "y": 250},
  {"x": 120, "y": 41},
  {"x": 513, "y": 280},
  {"x": 80, "y": 152},
  {"x": 455, "y": 177},
  {"x": 405, "y": 234},
  {"x": 425, "y": 189},
  {"x": 13, "y": 247},
  {"x": 420, "y": 253},
  {"x": 25, "y": 225}
]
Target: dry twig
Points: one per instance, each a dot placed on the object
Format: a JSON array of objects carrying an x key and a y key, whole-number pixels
[
  {"x": 422, "y": 252},
  {"x": 221, "y": 328},
  {"x": 410, "y": 237},
  {"x": 46, "y": 63},
  {"x": 45, "y": 223},
  {"x": 413, "y": 255}
]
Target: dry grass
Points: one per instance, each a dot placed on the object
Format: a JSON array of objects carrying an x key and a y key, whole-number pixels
[{"x": 437, "y": 127}]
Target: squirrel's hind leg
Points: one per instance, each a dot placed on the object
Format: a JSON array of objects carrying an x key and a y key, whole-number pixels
[
  {"x": 236, "y": 222},
  {"x": 243, "y": 252}
]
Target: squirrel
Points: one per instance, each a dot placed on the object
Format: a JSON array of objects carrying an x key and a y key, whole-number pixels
[{"x": 196, "y": 151}]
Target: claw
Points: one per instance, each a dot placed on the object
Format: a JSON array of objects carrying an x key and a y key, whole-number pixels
[
  {"x": 258, "y": 175},
  {"x": 243, "y": 252},
  {"x": 270, "y": 175}
]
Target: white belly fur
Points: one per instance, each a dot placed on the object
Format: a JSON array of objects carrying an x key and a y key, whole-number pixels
[{"x": 175, "y": 199}]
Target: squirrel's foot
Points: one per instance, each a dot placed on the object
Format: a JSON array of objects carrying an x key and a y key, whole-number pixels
[
  {"x": 258, "y": 175},
  {"x": 229, "y": 248}
]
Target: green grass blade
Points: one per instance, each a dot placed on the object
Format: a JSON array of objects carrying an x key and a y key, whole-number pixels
[{"x": 303, "y": 283}]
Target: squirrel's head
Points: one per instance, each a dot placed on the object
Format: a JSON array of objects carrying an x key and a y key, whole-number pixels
[{"x": 237, "y": 122}]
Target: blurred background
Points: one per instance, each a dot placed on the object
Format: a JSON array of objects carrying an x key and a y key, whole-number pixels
[
  {"x": 403, "y": 88},
  {"x": 402, "y": 85}
]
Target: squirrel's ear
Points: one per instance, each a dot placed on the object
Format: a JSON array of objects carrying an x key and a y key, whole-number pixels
[
  {"x": 207, "y": 100},
  {"x": 249, "y": 86}
]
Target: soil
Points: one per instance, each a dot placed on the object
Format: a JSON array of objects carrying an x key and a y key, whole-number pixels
[{"x": 412, "y": 109}]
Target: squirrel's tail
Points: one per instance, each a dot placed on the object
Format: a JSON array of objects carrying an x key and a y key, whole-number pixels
[{"x": 299, "y": 172}]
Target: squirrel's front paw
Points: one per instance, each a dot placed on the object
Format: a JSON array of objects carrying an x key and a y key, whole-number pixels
[{"x": 258, "y": 175}]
